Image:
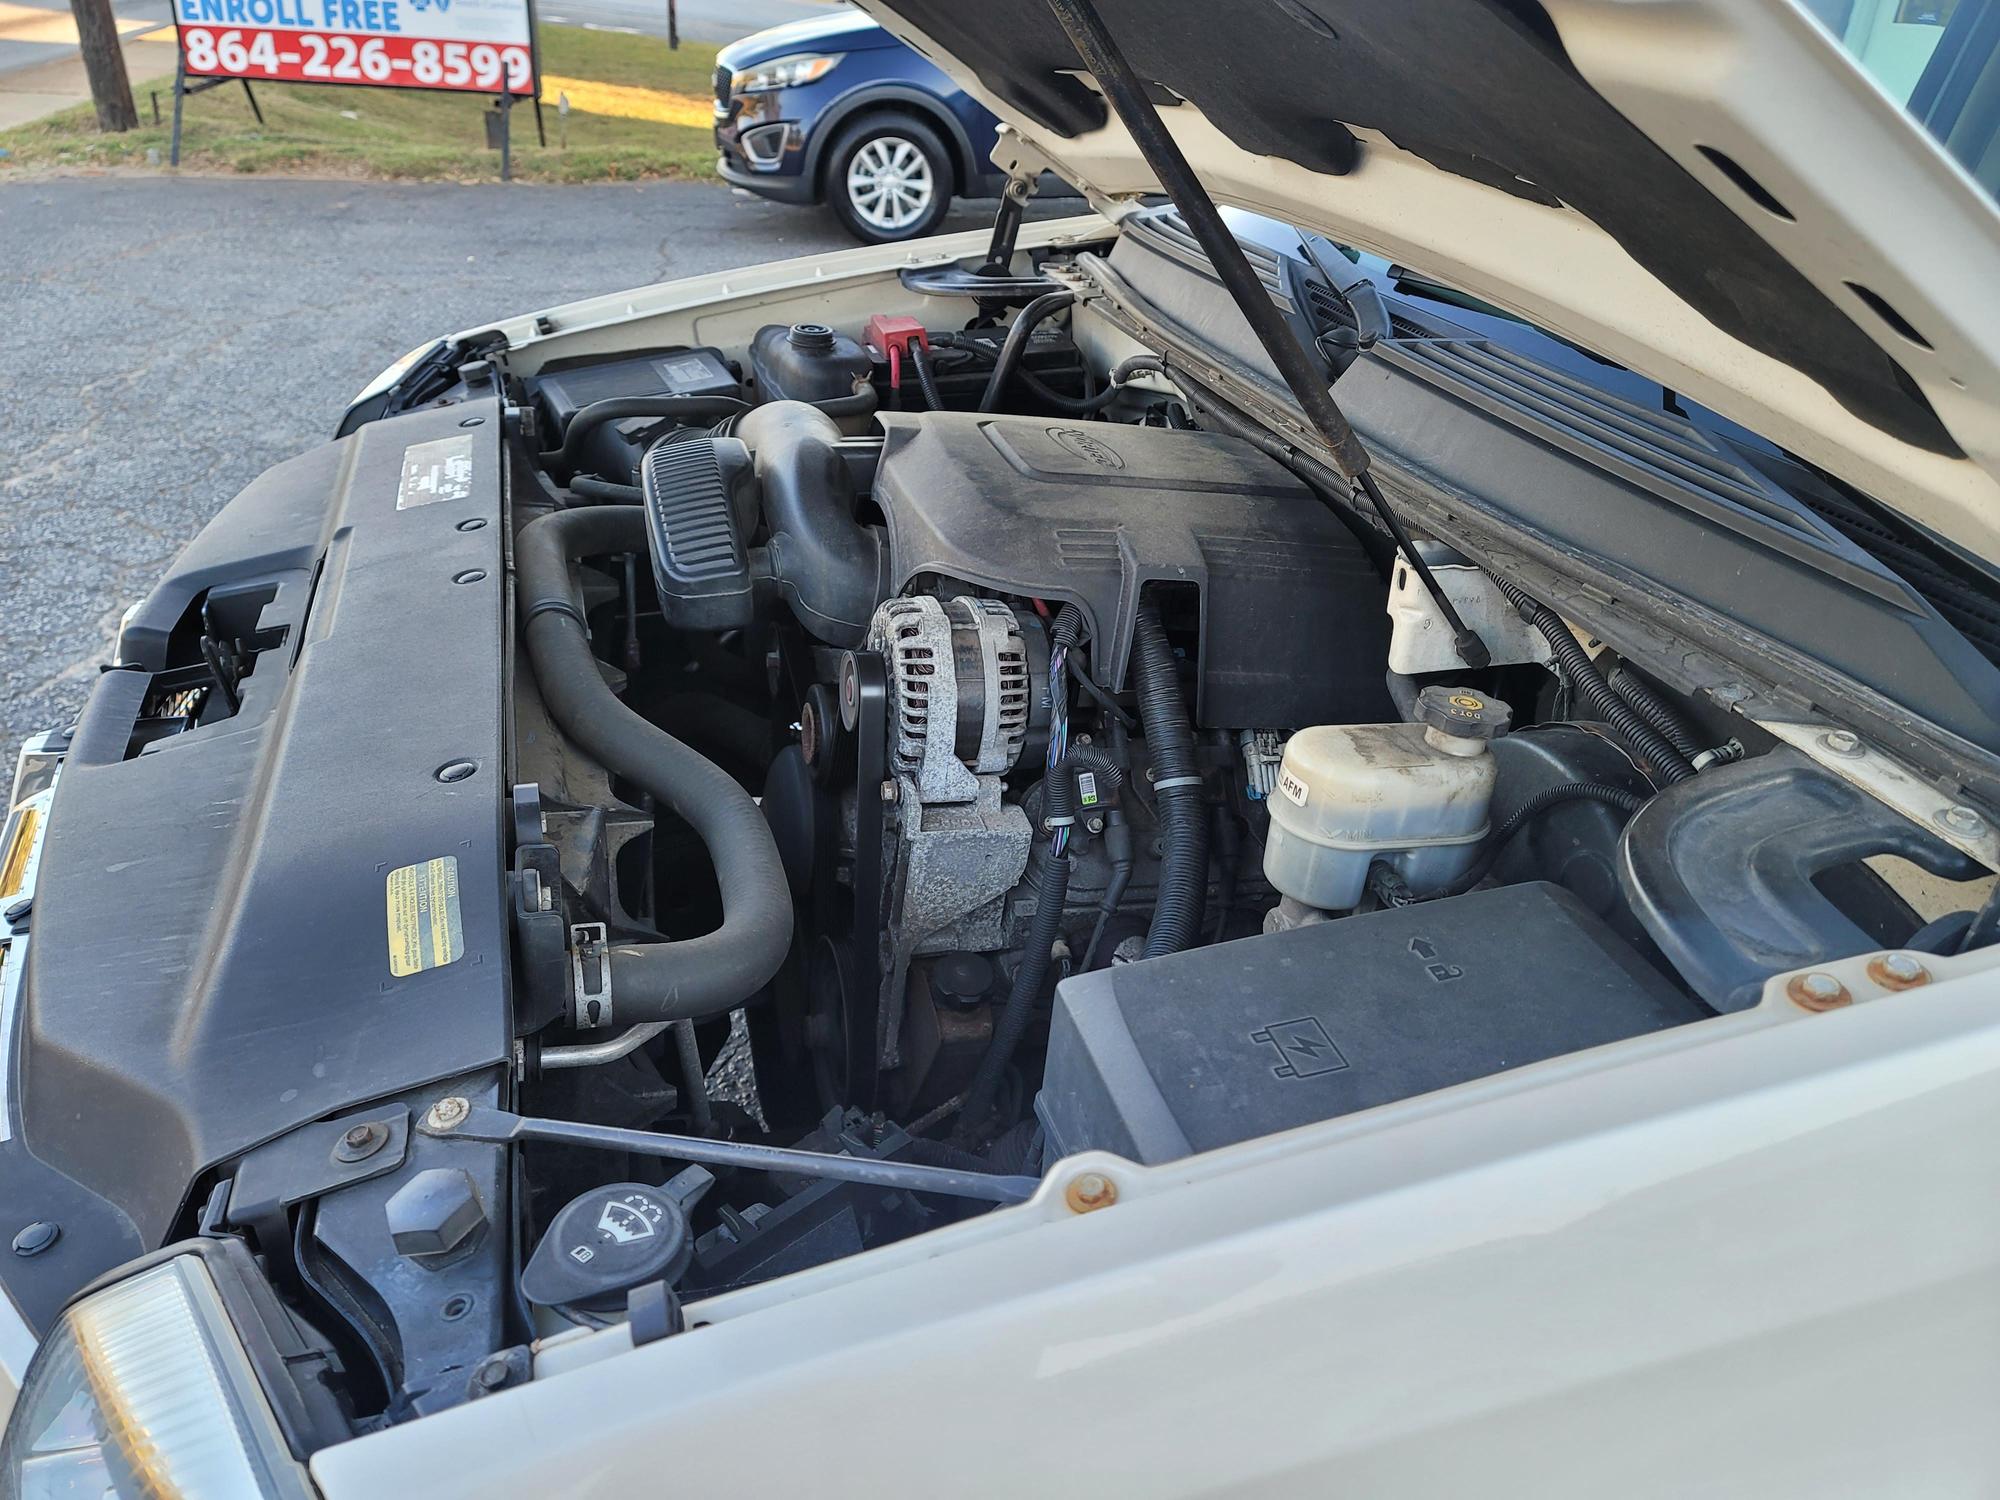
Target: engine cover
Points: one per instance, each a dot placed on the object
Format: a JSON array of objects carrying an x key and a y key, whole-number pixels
[{"x": 1292, "y": 623}]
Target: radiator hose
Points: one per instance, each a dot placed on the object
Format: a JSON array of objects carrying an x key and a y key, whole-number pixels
[
  {"x": 665, "y": 981},
  {"x": 1666, "y": 763},
  {"x": 1176, "y": 790}
]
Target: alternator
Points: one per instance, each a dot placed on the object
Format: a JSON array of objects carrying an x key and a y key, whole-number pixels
[{"x": 959, "y": 690}]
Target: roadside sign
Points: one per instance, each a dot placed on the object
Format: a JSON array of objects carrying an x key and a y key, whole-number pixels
[{"x": 478, "y": 46}]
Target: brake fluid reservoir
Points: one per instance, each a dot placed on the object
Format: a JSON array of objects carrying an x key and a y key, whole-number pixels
[{"x": 1414, "y": 796}]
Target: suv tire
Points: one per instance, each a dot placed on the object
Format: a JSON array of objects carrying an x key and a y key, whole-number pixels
[{"x": 889, "y": 177}]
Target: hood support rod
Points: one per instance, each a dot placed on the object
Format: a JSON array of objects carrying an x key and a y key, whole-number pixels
[{"x": 1127, "y": 95}]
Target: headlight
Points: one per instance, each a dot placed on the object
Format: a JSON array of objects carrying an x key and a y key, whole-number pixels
[
  {"x": 783, "y": 73},
  {"x": 395, "y": 372},
  {"x": 144, "y": 1389}
]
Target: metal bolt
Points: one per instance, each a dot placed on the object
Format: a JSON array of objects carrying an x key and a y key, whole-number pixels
[
  {"x": 1817, "y": 992},
  {"x": 456, "y": 770},
  {"x": 492, "y": 1373},
  {"x": 33, "y": 1239},
  {"x": 1091, "y": 1190},
  {"x": 359, "y": 1142},
  {"x": 1095, "y": 825},
  {"x": 448, "y": 1112},
  {"x": 1897, "y": 971},
  {"x": 1841, "y": 742},
  {"x": 1962, "y": 820}
]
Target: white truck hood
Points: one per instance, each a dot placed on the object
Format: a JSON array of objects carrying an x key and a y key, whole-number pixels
[{"x": 1709, "y": 192}]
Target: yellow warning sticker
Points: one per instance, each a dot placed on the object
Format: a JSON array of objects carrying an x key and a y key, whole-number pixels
[{"x": 424, "y": 930}]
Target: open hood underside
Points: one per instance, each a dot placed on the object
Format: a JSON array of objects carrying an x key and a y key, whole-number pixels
[{"x": 1708, "y": 192}]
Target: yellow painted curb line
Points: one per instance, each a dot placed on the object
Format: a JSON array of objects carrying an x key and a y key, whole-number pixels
[{"x": 629, "y": 103}]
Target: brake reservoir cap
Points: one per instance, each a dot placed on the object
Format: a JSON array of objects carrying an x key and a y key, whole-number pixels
[
  {"x": 611, "y": 1239},
  {"x": 1460, "y": 720}
]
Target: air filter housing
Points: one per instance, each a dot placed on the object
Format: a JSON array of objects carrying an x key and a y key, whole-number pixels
[{"x": 700, "y": 497}]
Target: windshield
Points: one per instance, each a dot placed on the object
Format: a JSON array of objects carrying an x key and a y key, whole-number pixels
[{"x": 1939, "y": 59}]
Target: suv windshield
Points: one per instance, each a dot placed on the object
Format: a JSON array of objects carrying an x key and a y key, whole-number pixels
[{"x": 1939, "y": 59}]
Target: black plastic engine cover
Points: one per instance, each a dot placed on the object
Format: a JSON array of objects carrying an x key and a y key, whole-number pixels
[
  {"x": 211, "y": 960},
  {"x": 1292, "y": 624}
]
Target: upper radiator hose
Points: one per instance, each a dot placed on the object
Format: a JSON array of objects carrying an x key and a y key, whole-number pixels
[
  {"x": 665, "y": 981},
  {"x": 1176, "y": 787},
  {"x": 827, "y": 563}
]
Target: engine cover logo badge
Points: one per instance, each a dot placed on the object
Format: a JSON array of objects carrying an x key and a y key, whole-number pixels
[{"x": 1086, "y": 446}]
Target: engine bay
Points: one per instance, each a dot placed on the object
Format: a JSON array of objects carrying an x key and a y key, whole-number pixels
[
  {"x": 846, "y": 767},
  {"x": 1125, "y": 787}
]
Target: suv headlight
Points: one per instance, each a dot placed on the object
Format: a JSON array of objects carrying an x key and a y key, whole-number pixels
[
  {"x": 783, "y": 73},
  {"x": 145, "y": 1389}
]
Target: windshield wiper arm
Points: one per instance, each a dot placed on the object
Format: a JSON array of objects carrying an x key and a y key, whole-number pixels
[{"x": 1127, "y": 96}]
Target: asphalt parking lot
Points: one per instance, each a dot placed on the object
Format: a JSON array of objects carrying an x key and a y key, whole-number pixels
[{"x": 164, "y": 341}]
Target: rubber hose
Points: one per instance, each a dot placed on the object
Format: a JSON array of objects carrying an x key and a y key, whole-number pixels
[
  {"x": 1043, "y": 930},
  {"x": 1527, "y": 812},
  {"x": 604, "y": 492},
  {"x": 1017, "y": 1152},
  {"x": 1034, "y": 313},
  {"x": 1667, "y": 763},
  {"x": 1945, "y": 934},
  {"x": 1649, "y": 706},
  {"x": 1177, "y": 791},
  {"x": 926, "y": 378},
  {"x": 595, "y": 415},
  {"x": 860, "y": 404},
  {"x": 1984, "y": 927},
  {"x": 665, "y": 981}
]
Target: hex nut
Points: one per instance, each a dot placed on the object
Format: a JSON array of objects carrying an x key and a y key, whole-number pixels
[
  {"x": 1962, "y": 820},
  {"x": 1090, "y": 1190},
  {"x": 448, "y": 1112},
  {"x": 1817, "y": 992},
  {"x": 435, "y": 1212},
  {"x": 1898, "y": 971}
]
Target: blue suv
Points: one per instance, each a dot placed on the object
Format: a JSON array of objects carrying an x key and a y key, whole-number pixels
[{"x": 837, "y": 110}]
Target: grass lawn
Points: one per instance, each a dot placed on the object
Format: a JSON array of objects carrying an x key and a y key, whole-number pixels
[{"x": 636, "y": 110}]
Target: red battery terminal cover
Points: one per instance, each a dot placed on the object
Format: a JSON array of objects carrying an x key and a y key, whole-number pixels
[{"x": 892, "y": 333}]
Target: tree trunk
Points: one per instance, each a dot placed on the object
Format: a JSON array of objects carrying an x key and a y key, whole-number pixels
[{"x": 110, "y": 89}]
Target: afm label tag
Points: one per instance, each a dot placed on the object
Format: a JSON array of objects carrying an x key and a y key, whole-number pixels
[
  {"x": 424, "y": 929},
  {"x": 434, "y": 471},
  {"x": 1292, "y": 787}
]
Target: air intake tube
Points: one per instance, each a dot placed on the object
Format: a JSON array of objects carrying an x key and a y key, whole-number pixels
[
  {"x": 664, "y": 981},
  {"x": 827, "y": 564}
]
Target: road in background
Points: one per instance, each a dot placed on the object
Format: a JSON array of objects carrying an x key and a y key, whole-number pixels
[
  {"x": 712, "y": 21},
  {"x": 169, "y": 339}
]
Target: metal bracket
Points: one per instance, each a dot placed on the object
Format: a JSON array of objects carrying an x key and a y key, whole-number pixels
[{"x": 590, "y": 976}]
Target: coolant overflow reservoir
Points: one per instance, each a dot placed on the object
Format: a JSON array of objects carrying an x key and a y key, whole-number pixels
[{"x": 1414, "y": 796}]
